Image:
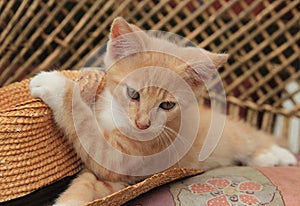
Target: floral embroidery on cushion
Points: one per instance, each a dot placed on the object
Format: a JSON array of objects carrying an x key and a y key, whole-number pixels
[
  {"x": 221, "y": 191},
  {"x": 249, "y": 199},
  {"x": 249, "y": 186},
  {"x": 219, "y": 182},
  {"x": 202, "y": 188},
  {"x": 218, "y": 201}
]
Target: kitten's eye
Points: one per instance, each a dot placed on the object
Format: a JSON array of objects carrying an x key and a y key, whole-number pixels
[
  {"x": 133, "y": 94},
  {"x": 167, "y": 105}
]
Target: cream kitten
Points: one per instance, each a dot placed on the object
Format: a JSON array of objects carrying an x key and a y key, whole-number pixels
[{"x": 148, "y": 103}]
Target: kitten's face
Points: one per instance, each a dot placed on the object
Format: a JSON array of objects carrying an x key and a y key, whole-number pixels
[
  {"x": 151, "y": 79},
  {"x": 146, "y": 97},
  {"x": 149, "y": 107}
]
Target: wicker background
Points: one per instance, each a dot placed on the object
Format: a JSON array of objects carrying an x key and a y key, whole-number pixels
[{"x": 261, "y": 36}]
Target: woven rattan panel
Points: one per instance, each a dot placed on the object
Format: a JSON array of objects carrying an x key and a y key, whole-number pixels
[{"x": 261, "y": 36}]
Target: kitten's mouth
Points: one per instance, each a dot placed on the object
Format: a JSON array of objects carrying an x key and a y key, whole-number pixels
[{"x": 141, "y": 132}]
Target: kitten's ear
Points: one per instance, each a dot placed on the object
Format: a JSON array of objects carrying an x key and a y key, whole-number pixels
[
  {"x": 120, "y": 26},
  {"x": 203, "y": 65},
  {"x": 217, "y": 59},
  {"x": 125, "y": 39}
]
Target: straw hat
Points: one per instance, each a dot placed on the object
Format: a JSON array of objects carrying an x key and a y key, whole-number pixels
[{"x": 33, "y": 151}]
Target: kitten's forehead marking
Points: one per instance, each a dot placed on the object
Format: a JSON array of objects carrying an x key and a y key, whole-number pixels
[{"x": 156, "y": 93}]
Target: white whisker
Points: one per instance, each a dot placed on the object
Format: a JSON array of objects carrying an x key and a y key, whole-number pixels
[
  {"x": 181, "y": 138},
  {"x": 165, "y": 138}
]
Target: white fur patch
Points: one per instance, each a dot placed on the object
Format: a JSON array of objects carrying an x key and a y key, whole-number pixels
[
  {"x": 111, "y": 114},
  {"x": 50, "y": 87},
  {"x": 267, "y": 159},
  {"x": 106, "y": 120},
  {"x": 284, "y": 156},
  {"x": 276, "y": 156}
]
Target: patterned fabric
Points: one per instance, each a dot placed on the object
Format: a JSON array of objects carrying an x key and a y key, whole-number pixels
[
  {"x": 232, "y": 190},
  {"x": 230, "y": 186}
]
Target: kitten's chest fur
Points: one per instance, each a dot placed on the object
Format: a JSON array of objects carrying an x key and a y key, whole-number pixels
[
  {"x": 104, "y": 114},
  {"x": 110, "y": 114}
]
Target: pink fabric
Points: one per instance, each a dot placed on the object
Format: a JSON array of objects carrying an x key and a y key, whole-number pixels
[{"x": 287, "y": 180}]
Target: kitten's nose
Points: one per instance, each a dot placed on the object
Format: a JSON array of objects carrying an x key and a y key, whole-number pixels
[{"x": 142, "y": 125}]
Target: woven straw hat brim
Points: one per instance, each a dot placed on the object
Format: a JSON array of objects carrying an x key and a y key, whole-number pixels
[
  {"x": 33, "y": 151},
  {"x": 131, "y": 192}
]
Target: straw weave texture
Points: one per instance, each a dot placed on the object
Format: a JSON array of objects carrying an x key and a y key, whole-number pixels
[
  {"x": 33, "y": 151},
  {"x": 131, "y": 192}
]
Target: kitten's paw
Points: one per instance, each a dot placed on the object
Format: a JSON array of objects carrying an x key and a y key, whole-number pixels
[
  {"x": 267, "y": 159},
  {"x": 49, "y": 86},
  {"x": 285, "y": 157},
  {"x": 276, "y": 156}
]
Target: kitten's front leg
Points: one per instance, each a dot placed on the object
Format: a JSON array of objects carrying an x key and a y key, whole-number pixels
[
  {"x": 57, "y": 91},
  {"x": 86, "y": 188}
]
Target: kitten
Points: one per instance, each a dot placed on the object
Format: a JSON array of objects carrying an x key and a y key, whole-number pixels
[{"x": 144, "y": 119}]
